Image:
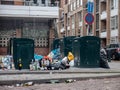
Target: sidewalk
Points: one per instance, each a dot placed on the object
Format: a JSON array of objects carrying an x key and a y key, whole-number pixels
[{"x": 9, "y": 77}]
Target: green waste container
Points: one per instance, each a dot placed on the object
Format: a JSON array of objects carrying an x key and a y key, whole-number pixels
[
  {"x": 66, "y": 45},
  {"x": 56, "y": 43},
  {"x": 76, "y": 51},
  {"x": 86, "y": 51},
  {"x": 22, "y": 48}
]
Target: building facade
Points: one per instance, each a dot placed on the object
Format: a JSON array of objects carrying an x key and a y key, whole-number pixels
[
  {"x": 71, "y": 18},
  {"x": 106, "y": 23},
  {"x": 107, "y": 18},
  {"x": 34, "y": 19}
]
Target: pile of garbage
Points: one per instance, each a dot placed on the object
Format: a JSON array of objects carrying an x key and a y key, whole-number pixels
[
  {"x": 6, "y": 62},
  {"x": 53, "y": 61}
]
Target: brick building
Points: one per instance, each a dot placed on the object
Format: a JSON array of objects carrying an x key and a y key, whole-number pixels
[
  {"x": 34, "y": 19},
  {"x": 106, "y": 19},
  {"x": 71, "y": 14}
]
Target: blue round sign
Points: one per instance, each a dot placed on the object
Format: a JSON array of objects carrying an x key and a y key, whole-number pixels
[{"x": 89, "y": 18}]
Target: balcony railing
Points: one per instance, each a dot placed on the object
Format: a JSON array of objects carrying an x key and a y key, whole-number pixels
[
  {"x": 103, "y": 15},
  {"x": 102, "y": 0},
  {"x": 103, "y": 30},
  {"x": 29, "y": 3}
]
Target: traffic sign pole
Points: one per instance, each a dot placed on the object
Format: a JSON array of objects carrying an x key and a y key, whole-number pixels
[{"x": 89, "y": 18}]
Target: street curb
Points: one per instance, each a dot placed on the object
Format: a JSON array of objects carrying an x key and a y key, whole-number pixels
[
  {"x": 54, "y": 72},
  {"x": 46, "y": 81}
]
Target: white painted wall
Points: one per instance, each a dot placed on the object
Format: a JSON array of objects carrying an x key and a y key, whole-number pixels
[
  {"x": 28, "y": 11},
  {"x": 68, "y": 28},
  {"x": 114, "y": 12},
  {"x": 114, "y": 33},
  {"x": 103, "y": 34},
  {"x": 62, "y": 30},
  {"x": 103, "y": 15},
  {"x": 80, "y": 23}
]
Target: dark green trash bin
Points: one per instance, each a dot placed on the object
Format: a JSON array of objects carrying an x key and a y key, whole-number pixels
[
  {"x": 66, "y": 45},
  {"x": 56, "y": 43},
  {"x": 86, "y": 51},
  {"x": 22, "y": 48}
]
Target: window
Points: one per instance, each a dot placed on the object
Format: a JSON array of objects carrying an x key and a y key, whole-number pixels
[
  {"x": 114, "y": 4},
  {"x": 35, "y": 1},
  {"x": 6, "y": 2},
  {"x": 69, "y": 1},
  {"x": 79, "y": 31},
  {"x": 77, "y": 3},
  {"x": 114, "y": 22},
  {"x": 73, "y": 20},
  {"x": 80, "y": 2},
  {"x": 71, "y": 7},
  {"x": 43, "y": 1},
  {"x": 7, "y": 31},
  {"x": 68, "y": 22},
  {"x": 112, "y": 41},
  {"x": 66, "y": 1},
  {"x": 73, "y": 32},
  {"x": 97, "y": 5},
  {"x": 62, "y": 25},
  {"x": 36, "y": 31},
  {"x": 97, "y": 21},
  {"x": 74, "y": 6},
  {"x": 80, "y": 16}
]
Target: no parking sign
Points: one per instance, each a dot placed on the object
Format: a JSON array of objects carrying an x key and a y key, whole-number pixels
[{"x": 89, "y": 18}]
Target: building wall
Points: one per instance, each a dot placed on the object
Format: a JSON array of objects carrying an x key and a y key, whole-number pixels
[
  {"x": 108, "y": 22},
  {"x": 19, "y": 11},
  {"x": 119, "y": 20},
  {"x": 41, "y": 51},
  {"x": 42, "y": 32},
  {"x": 102, "y": 20},
  {"x": 106, "y": 33},
  {"x": 71, "y": 18},
  {"x": 3, "y": 51}
]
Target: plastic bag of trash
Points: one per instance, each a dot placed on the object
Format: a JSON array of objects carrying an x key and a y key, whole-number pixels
[
  {"x": 70, "y": 80},
  {"x": 51, "y": 54},
  {"x": 56, "y": 65},
  {"x": 37, "y": 57},
  {"x": 55, "y": 54},
  {"x": 64, "y": 63},
  {"x": 71, "y": 63},
  {"x": 103, "y": 59},
  {"x": 70, "y": 56}
]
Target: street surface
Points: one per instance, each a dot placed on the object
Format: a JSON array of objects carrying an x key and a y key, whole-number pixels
[
  {"x": 105, "y": 83},
  {"x": 91, "y": 84}
]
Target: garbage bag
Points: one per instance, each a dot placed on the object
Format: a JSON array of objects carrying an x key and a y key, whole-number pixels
[
  {"x": 56, "y": 65},
  {"x": 71, "y": 63},
  {"x": 51, "y": 54},
  {"x": 64, "y": 63},
  {"x": 104, "y": 64},
  {"x": 55, "y": 54},
  {"x": 103, "y": 59},
  {"x": 70, "y": 56},
  {"x": 38, "y": 57}
]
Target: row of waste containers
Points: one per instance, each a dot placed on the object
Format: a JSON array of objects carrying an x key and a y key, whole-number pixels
[{"x": 86, "y": 50}]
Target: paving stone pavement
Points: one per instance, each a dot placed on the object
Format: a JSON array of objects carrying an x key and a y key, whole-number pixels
[{"x": 15, "y": 76}]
